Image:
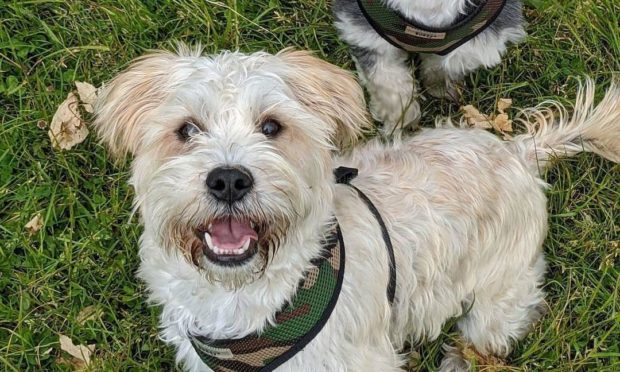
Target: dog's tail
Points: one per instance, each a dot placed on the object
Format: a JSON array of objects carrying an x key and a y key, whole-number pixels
[{"x": 554, "y": 133}]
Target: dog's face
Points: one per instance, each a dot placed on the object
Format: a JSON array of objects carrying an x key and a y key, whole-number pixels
[{"x": 232, "y": 152}]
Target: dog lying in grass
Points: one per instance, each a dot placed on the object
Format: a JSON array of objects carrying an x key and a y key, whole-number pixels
[
  {"x": 260, "y": 259},
  {"x": 451, "y": 37}
]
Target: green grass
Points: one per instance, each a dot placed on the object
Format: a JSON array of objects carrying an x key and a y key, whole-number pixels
[{"x": 86, "y": 253}]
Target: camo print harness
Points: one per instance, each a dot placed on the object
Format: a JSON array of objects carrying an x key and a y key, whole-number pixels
[
  {"x": 301, "y": 320},
  {"x": 410, "y": 36}
]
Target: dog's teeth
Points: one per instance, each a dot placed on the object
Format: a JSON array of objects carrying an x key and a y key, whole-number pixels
[
  {"x": 238, "y": 251},
  {"x": 208, "y": 240},
  {"x": 246, "y": 245}
]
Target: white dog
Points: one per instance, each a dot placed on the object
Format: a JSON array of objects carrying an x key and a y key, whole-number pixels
[
  {"x": 452, "y": 38},
  {"x": 233, "y": 158}
]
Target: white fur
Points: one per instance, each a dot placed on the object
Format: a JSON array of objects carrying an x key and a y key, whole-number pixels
[{"x": 466, "y": 213}]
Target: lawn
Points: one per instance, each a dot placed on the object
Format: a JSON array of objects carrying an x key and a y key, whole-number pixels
[{"x": 75, "y": 276}]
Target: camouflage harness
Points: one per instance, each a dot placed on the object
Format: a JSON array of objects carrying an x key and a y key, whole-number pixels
[
  {"x": 410, "y": 36},
  {"x": 299, "y": 321}
]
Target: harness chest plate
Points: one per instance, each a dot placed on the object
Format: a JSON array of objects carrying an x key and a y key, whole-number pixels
[{"x": 410, "y": 36}]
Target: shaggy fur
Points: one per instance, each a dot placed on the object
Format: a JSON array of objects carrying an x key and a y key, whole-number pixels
[
  {"x": 387, "y": 72},
  {"x": 466, "y": 212}
]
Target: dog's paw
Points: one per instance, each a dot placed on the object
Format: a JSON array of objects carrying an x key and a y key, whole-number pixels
[
  {"x": 395, "y": 115},
  {"x": 453, "y": 360},
  {"x": 449, "y": 90}
]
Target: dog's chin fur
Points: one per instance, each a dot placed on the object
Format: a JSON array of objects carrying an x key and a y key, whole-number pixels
[
  {"x": 465, "y": 211},
  {"x": 233, "y": 277},
  {"x": 386, "y": 71}
]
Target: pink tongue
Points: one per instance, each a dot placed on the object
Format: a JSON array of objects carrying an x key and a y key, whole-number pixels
[{"x": 230, "y": 234}]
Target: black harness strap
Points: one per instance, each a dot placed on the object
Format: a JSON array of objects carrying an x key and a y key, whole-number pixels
[{"x": 344, "y": 176}]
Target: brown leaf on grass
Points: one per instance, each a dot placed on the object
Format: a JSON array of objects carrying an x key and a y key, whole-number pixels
[
  {"x": 34, "y": 224},
  {"x": 71, "y": 363},
  {"x": 67, "y": 128},
  {"x": 88, "y": 313},
  {"x": 503, "y": 104},
  {"x": 475, "y": 118},
  {"x": 80, "y": 352},
  {"x": 501, "y": 123},
  {"x": 487, "y": 363},
  {"x": 88, "y": 94}
]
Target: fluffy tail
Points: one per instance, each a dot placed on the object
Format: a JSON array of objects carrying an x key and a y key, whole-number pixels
[{"x": 554, "y": 133}]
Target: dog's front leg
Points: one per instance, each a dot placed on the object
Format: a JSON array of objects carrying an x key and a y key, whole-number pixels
[
  {"x": 386, "y": 73},
  {"x": 441, "y": 75}
]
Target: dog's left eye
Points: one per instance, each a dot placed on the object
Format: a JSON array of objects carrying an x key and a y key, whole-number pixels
[
  {"x": 270, "y": 127},
  {"x": 187, "y": 130}
]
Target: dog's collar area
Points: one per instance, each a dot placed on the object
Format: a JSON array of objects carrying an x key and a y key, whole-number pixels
[
  {"x": 411, "y": 36},
  {"x": 295, "y": 325}
]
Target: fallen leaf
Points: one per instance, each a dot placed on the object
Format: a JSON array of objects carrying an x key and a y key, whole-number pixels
[
  {"x": 503, "y": 104},
  {"x": 414, "y": 361},
  {"x": 67, "y": 128},
  {"x": 88, "y": 313},
  {"x": 502, "y": 124},
  {"x": 88, "y": 94},
  {"x": 34, "y": 224},
  {"x": 79, "y": 352},
  {"x": 487, "y": 363},
  {"x": 475, "y": 118},
  {"x": 71, "y": 363}
]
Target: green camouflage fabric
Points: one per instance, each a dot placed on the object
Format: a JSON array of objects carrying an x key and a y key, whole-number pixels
[
  {"x": 295, "y": 325},
  {"x": 411, "y": 37}
]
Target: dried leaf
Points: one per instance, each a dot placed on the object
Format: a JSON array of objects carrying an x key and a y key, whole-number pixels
[
  {"x": 71, "y": 363},
  {"x": 502, "y": 124},
  {"x": 88, "y": 95},
  {"x": 79, "y": 352},
  {"x": 482, "y": 362},
  {"x": 88, "y": 313},
  {"x": 475, "y": 118},
  {"x": 67, "y": 128},
  {"x": 34, "y": 224},
  {"x": 504, "y": 104}
]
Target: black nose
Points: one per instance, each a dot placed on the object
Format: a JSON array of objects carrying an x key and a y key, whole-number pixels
[{"x": 229, "y": 184}]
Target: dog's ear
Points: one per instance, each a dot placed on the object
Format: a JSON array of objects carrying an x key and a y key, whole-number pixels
[
  {"x": 124, "y": 104},
  {"x": 330, "y": 92}
]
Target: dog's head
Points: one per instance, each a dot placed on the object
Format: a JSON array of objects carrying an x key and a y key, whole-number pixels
[{"x": 231, "y": 152}]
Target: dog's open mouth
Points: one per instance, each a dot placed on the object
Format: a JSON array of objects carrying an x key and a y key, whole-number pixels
[{"x": 229, "y": 241}]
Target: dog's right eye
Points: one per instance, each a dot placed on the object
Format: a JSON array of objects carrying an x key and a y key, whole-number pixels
[{"x": 187, "y": 130}]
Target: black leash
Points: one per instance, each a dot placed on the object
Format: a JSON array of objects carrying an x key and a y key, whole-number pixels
[{"x": 344, "y": 176}]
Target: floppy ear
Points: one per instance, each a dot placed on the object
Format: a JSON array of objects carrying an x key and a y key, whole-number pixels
[
  {"x": 126, "y": 102},
  {"x": 330, "y": 92}
]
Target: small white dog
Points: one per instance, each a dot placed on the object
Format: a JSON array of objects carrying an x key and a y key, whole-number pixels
[
  {"x": 233, "y": 159},
  {"x": 453, "y": 37}
]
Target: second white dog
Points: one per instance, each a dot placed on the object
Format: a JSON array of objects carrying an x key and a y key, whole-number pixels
[{"x": 233, "y": 159}]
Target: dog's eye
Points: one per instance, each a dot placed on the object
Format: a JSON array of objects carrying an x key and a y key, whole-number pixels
[
  {"x": 270, "y": 128},
  {"x": 187, "y": 130}
]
